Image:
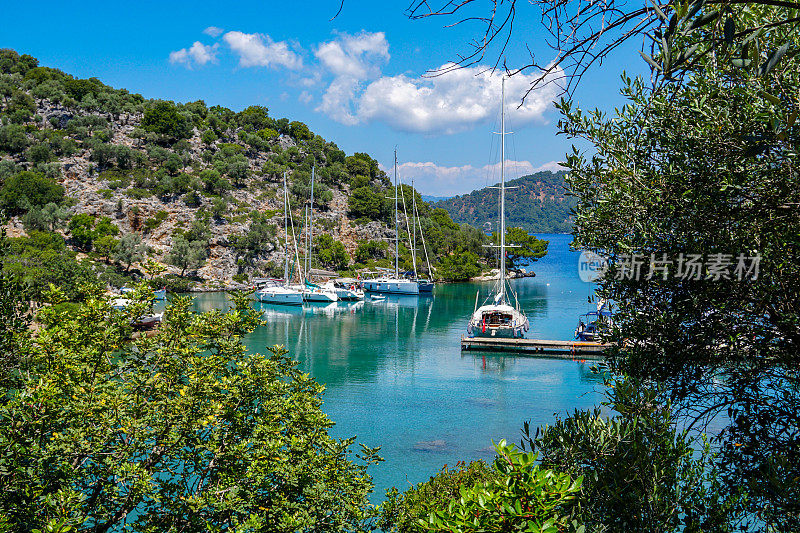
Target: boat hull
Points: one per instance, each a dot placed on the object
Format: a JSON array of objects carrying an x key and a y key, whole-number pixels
[
  {"x": 425, "y": 286},
  {"x": 321, "y": 296},
  {"x": 391, "y": 286},
  {"x": 279, "y": 297}
]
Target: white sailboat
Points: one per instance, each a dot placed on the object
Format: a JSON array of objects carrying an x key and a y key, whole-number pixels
[
  {"x": 395, "y": 284},
  {"x": 499, "y": 318},
  {"x": 274, "y": 293},
  {"x": 311, "y": 291}
]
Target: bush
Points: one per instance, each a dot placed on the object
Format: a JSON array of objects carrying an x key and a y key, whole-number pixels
[
  {"x": 27, "y": 189},
  {"x": 331, "y": 254},
  {"x": 367, "y": 250},
  {"x": 460, "y": 265},
  {"x": 13, "y": 139},
  {"x": 401, "y": 512},
  {"x": 365, "y": 202},
  {"x": 155, "y": 221},
  {"x": 164, "y": 118}
]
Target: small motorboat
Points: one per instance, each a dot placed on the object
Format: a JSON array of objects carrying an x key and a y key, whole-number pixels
[{"x": 589, "y": 323}]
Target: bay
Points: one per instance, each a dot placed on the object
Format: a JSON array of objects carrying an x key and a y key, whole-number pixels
[{"x": 395, "y": 375}]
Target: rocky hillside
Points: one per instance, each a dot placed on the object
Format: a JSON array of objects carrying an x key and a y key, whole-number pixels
[
  {"x": 538, "y": 204},
  {"x": 201, "y": 187}
]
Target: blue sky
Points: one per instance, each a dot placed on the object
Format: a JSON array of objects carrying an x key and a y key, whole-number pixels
[{"x": 356, "y": 80}]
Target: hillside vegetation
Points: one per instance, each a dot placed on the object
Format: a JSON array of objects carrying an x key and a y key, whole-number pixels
[
  {"x": 539, "y": 204},
  {"x": 101, "y": 181}
]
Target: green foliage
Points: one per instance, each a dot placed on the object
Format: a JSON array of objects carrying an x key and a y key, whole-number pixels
[
  {"x": 401, "y": 512},
  {"x": 460, "y": 265},
  {"x": 41, "y": 259},
  {"x": 47, "y": 218},
  {"x": 105, "y": 246},
  {"x": 165, "y": 118},
  {"x": 129, "y": 249},
  {"x": 522, "y": 247},
  {"x": 539, "y": 204},
  {"x": 522, "y": 496},
  {"x": 29, "y": 189},
  {"x": 639, "y": 472},
  {"x": 203, "y": 436},
  {"x": 256, "y": 241},
  {"x": 367, "y": 250},
  {"x": 331, "y": 254},
  {"x": 713, "y": 171},
  {"x": 365, "y": 202},
  {"x": 13, "y": 139},
  {"x": 80, "y": 226},
  {"x": 187, "y": 254},
  {"x": 155, "y": 221},
  {"x": 299, "y": 131}
]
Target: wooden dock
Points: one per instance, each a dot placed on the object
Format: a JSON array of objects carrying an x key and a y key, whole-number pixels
[{"x": 560, "y": 349}]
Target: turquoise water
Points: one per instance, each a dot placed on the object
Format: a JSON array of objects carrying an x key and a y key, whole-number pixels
[{"x": 396, "y": 377}]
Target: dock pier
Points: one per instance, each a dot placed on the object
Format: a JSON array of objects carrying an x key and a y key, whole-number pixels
[{"x": 559, "y": 349}]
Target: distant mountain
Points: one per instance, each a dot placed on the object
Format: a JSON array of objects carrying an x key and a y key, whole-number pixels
[
  {"x": 430, "y": 199},
  {"x": 539, "y": 205}
]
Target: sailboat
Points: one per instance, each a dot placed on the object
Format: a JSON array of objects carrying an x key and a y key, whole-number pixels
[
  {"x": 425, "y": 285},
  {"x": 311, "y": 291},
  {"x": 282, "y": 294},
  {"x": 396, "y": 284},
  {"x": 499, "y": 318}
]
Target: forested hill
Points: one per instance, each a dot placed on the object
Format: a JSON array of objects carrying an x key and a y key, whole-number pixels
[
  {"x": 97, "y": 181},
  {"x": 539, "y": 204}
]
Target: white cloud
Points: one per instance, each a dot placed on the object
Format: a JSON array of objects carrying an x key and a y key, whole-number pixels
[
  {"x": 352, "y": 59},
  {"x": 305, "y": 97},
  {"x": 213, "y": 31},
  {"x": 438, "y": 180},
  {"x": 258, "y": 50},
  {"x": 197, "y": 54},
  {"x": 452, "y": 102},
  {"x": 355, "y": 56}
]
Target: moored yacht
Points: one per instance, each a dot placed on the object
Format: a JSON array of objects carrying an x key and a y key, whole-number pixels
[
  {"x": 393, "y": 284},
  {"x": 272, "y": 292},
  {"x": 499, "y": 318}
]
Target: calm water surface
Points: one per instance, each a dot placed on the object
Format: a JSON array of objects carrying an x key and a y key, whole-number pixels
[{"x": 396, "y": 377}]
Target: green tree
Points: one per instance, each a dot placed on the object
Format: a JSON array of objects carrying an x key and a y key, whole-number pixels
[
  {"x": 105, "y": 246},
  {"x": 27, "y": 189},
  {"x": 129, "y": 250},
  {"x": 256, "y": 241},
  {"x": 330, "y": 253},
  {"x": 164, "y": 118},
  {"x": 460, "y": 265},
  {"x": 522, "y": 247},
  {"x": 47, "y": 218},
  {"x": 300, "y": 131},
  {"x": 81, "y": 227},
  {"x": 640, "y": 473},
  {"x": 187, "y": 254},
  {"x": 367, "y": 203},
  {"x": 713, "y": 173},
  {"x": 201, "y": 436},
  {"x": 367, "y": 250}
]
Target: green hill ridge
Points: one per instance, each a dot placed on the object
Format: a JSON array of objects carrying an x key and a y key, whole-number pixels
[{"x": 539, "y": 204}]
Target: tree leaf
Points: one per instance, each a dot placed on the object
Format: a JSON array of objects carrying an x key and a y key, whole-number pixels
[
  {"x": 651, "y": 61},
  {"x": 729, "y": 30},
  {"x": 773, "y": 59}
]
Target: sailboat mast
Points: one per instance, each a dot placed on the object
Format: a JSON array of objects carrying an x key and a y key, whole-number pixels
[
  {"x": 503, "y": 191},
  {"x": 414, "y": 228},
  {"x": 311, "y": 223},
  {"x": 286, "y": 227},
  {"x": 396, "y": 224}
]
